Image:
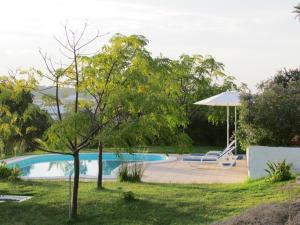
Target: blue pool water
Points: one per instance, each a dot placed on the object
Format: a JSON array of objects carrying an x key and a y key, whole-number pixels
[{"x": 55, "y": 165}]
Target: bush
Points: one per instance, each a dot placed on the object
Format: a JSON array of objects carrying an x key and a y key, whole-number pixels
[
  {"x": 123, "y": 172},
  {"x": 15, "y": 173},
  {"x": 128, "y": 196},
  {"x": 280, "y": 171},
  {"x": 7, "y": 173},
  {"x": 131, "y": 172}
]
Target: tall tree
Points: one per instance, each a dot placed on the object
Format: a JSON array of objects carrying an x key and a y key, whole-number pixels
[
  {"x": 200, "y": 77},
  {"x": 271, "y": 117},
  {"x": 136, "y": 95},
  {"x": 126, "y": 99}
]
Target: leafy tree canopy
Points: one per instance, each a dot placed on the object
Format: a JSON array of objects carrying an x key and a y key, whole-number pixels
[
  {"x": 134, "y": 96},
  {"x": 20, "y": 120},
  {"x": 272, "y": 116}
]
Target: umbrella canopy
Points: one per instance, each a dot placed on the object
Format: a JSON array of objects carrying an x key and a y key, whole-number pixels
[{"x": 227, "y": 98}]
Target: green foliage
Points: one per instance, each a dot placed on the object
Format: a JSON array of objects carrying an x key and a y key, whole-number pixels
[
  {"x": 74, "y": 125},
  {"x": 199, "y": 77},
  {"x": 143, "y": 100},
  {"x": 130, "y": 172},
  {"x": 272, "y": 116},
  {"x": 132, "y": 98},
  {"x": 284, "y": 78},
  {"x": 280, "y": 171},
  {"x": 7, "y": 173},
  {"x": 20, "y": 120},
  {"x": 152, "y": 98},
  {"x": 14, "y": 174},
  {"x": 138, "y": 92},
  {"x": 123, "y": 172},
  {"x": 128, "y": 196},
  {"x": 2, "y": 155}
]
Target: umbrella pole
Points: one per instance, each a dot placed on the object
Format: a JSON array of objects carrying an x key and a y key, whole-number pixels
[
  {"x": 235, "y": 129},
  {"x": 227, "y": 125}
]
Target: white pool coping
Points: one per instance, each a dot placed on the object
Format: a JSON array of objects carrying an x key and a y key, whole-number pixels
[{"x": 113, "y": 175}]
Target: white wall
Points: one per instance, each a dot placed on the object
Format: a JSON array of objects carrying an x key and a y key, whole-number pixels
[{"x": 258, "y": 156}]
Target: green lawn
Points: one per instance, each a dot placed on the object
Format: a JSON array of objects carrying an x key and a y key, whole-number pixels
[{"x": 156, "y": 203}]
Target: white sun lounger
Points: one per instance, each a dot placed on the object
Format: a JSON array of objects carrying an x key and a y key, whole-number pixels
[
  {"x": 14, "y": 198},
  {"x": 222, "y": 157}
]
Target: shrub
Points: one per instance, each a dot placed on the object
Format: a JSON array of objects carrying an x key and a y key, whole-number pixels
[
  {"x": 14, "y": 174},
  {"x": 128, "y": 196},
  {"x": 123, "y": 172},
  {"x": 280, "y": 171},
  {"x": 131, "y": 172},
  {"x": 7, "y": 173}
]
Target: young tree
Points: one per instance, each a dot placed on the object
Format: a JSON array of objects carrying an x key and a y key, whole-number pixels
[{"x": 73, "y": 130}]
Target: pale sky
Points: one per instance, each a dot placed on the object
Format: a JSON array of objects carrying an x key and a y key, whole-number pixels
[{"x": 253, "y": 38}]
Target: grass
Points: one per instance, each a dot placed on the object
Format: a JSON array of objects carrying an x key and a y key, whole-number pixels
[{"x": 156, "y": 203}]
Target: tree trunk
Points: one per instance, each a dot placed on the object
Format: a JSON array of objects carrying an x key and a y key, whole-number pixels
[
  {"x": 100, "y": 165},
  {"x": 75, "y": 185}
]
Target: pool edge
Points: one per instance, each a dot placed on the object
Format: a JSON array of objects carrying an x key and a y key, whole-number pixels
[{"x": 111, "y": 177}]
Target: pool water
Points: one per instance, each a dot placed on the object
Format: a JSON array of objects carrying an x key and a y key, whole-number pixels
[{"x": 55, "y": 165}]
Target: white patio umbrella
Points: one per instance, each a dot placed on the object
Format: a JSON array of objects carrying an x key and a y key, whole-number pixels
[{"x": 227, "y": 98}]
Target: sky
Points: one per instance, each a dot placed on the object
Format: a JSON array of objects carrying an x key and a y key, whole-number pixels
[{"x": 253, "y": 38}]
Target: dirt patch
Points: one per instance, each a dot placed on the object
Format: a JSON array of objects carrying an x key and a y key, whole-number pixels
[{"x": 270, "y": 214}]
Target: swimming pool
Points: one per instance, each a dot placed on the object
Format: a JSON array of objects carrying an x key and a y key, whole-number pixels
[{"x": 60, "y": 166}]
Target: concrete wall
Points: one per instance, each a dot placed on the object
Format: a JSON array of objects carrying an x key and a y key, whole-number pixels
[{"x": 258, "y": 156}]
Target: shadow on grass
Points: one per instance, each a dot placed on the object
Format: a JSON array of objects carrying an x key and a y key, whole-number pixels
[
  {"x": 33, "y": 213},
  {"x": 110, "y": 211},
  {"x": 155, "y": 204},
  {"x": 139, "y": 211},
  {"x": 110, "y": 208},
  {"x": 30, "y": 188},
  {"x": 37, "y": 183},
  {"x": 201, "y": 187}
]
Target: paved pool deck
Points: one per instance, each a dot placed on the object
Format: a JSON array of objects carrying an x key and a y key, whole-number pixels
[{"x": 192, "y": 172}]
